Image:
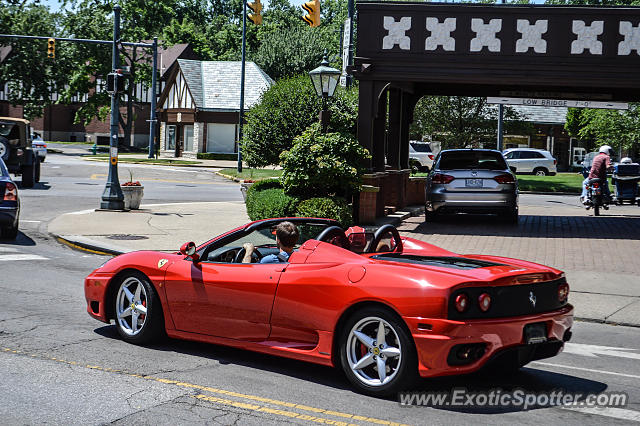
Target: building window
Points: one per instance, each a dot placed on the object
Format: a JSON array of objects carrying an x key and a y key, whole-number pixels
[
  {"x": 221, "y": 138},
  {"x": 188, "y": 138},
  {"x": 170, "y": 142}
]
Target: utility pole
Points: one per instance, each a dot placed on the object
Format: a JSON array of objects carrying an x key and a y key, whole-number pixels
[
  {"x": 153, "y": 120},
  {"x": 240, "y": 123},
  {"x": 112, "y": 197}
]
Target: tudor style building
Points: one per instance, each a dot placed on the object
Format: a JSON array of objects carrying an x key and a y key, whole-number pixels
[{"x": 200, "y": 106}]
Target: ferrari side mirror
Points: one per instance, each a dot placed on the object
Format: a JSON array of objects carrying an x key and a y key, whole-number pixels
[{"x": 189, "y": 250}]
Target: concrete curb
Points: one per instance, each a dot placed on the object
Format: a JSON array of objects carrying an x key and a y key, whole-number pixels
[
  {"x": 86, "y": 247},
  {"x": 233, "y": 178}
]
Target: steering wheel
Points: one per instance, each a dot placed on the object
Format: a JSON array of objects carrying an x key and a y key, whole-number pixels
[
  {"x": 334, "y": 235},
  {"x": 384, "y": 229},
  {"x": 255, "y": 256}
]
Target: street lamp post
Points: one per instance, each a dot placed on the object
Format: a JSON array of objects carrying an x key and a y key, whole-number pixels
[
  {"x": 324, "y": 79},
  {"x": 112, "y": 197}
]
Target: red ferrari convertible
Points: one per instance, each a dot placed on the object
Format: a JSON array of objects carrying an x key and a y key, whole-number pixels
[{"x": 384, "y": 308}]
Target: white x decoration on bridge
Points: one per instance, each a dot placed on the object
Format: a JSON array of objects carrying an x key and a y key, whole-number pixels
[{"x": 396, "y": 33}]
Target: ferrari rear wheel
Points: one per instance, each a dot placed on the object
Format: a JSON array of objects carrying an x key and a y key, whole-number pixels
[
  {"x": 377, "y": 354},
  {"x": 137, "y": 310}
]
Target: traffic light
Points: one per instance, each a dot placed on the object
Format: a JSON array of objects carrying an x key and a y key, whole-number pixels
[
  {"x": 51, "y": 48},
  {"x": 115, "y": 82},
  {"x": 313, "y": 13},
  {"x": 256, "y": 16}
]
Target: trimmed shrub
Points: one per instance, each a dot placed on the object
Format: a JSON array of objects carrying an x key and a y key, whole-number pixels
[
  {"x": 263, "y": 184},
  {"x": 267, "y": 203},
  {"x": 325, "y": 163},
  {"x": 214, "y": 156},
  {"x": 330, "y": 208}
]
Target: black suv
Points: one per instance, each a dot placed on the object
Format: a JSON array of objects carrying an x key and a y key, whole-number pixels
[{"x": 16, "y": 150}]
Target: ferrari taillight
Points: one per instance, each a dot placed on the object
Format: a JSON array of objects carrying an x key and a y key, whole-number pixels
[
  {"x": 462, "y": 302},
  {"x": 10, "y": 192},
  {"x": 441, "y": 179},
  {"x": 505, "y": 178},
  {"x": 484, "y": 302},
  {"x": 563, "y": 292}
]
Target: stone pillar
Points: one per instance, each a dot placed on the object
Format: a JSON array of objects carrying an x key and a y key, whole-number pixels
[
  {"x": 199, "y": 144},
  {"x": 163, "y": 129},
  {"x": 368, "y": 204},
  {"x": 375, "y": 180}
]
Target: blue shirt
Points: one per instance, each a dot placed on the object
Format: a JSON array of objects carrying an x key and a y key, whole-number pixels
[{"x": 273, "y": 258}]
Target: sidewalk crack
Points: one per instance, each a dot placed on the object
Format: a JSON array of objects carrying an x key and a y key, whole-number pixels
[{"x": 625, "y": 306}]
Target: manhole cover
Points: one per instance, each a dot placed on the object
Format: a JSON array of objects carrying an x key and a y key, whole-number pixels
[{"x": 127, "y": 237}]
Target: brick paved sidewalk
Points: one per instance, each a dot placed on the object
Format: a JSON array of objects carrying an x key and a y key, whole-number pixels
[{"x": 567, "y": 242}]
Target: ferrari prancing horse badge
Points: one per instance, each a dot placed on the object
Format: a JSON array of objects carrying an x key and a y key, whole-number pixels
[{"x": 162, "y": 262}]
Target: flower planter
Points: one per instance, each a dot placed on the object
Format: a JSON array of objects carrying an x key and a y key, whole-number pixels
[{"x": 132, "y": 196}]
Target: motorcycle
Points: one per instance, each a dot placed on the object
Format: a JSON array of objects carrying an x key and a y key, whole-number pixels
[{"x": 595, "y": 197}]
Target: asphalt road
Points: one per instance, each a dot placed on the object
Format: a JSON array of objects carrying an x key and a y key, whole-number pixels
[{"x": 59, "y": 366}]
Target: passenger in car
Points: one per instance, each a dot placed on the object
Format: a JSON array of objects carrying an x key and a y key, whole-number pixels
[{"x": 286, "y": 239}]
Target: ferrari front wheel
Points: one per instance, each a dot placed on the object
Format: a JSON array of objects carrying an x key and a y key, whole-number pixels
[
  {"x": 138, "y": 312},
  {"x": 377, "y": 353}
]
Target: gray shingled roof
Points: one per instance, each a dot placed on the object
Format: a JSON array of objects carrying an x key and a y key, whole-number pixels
[
  {"x": 215, "y": 85},
  {"x": 542, "y": 115}
]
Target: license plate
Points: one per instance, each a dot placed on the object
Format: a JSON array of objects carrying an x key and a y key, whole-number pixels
[
  {"x": 535, "y": 333},
  {"x": 473, "y": 183}
]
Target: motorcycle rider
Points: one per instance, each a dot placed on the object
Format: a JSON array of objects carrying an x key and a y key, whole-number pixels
[{"x": 599, "y": 167}]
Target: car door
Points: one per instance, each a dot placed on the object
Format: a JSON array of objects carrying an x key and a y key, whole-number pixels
[
  {"x": 513, "y": 159},
  {"x": 232, "y": 300}
]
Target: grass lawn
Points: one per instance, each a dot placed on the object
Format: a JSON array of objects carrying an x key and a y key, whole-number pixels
[
  {"x": 562, "y": 182},
  {"x": 255, "y": 174}
]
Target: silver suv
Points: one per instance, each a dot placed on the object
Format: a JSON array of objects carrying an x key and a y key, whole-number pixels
[
  {"x": 530, "y": 160},
  {"x": 471, "y": 181},
  {"x": 420, "y": 156}
]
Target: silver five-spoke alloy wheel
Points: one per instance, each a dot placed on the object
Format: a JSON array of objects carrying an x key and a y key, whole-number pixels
[
  {"x": 374, "y": 351},
  {"x": 131, "y": 306}
]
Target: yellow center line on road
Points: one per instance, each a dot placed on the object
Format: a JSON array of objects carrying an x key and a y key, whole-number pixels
[
  {"x": 229, "y": 402},
  {"x": 101, "y": 176}
]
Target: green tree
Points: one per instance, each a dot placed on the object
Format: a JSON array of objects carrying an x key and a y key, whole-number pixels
[
  {"x": 32, "y": 77},
  {"x": 620, "y": 129},
  {"x": 460, "y": 122},
  {"x": 285, "y": 111}
]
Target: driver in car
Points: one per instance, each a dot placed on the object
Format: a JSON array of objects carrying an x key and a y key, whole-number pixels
[{"x": 286, "y": 238}]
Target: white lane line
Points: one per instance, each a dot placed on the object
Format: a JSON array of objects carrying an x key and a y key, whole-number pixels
[
  {"x": 594, "y": 351},
  {"x": 8, "y": 250},
  {"x": 30, "y": 221},
  {"x": 617, "y": 413},
  {"x": 14, "y": 257},
  {"x": 590, "y": 370}
]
